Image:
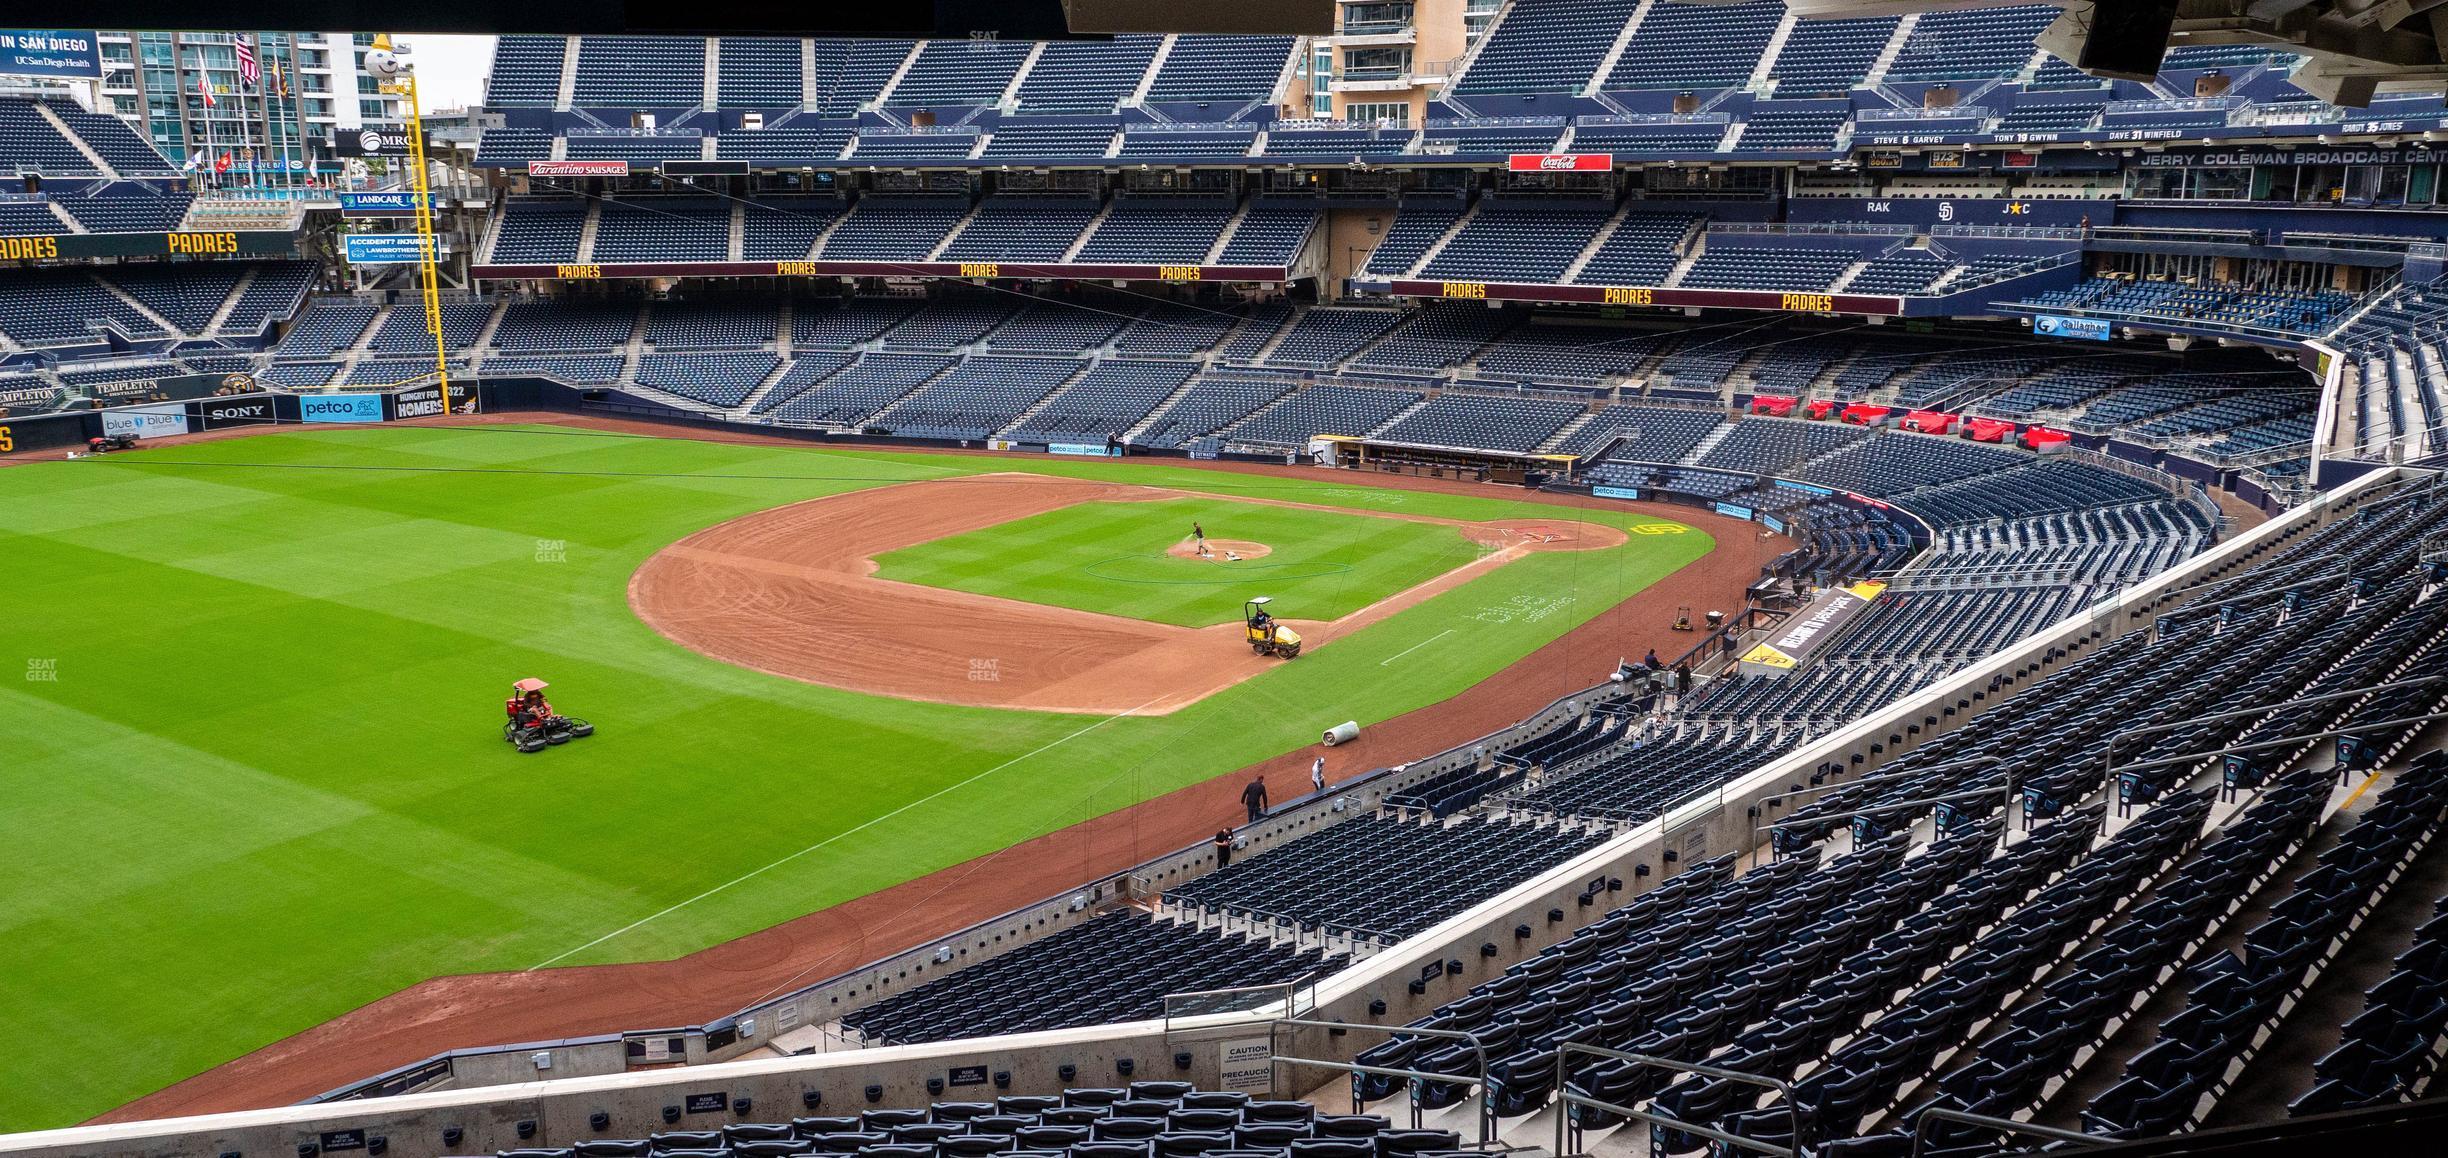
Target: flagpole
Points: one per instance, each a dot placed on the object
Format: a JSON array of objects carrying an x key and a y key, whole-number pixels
[{"x": 212, "y": 147}]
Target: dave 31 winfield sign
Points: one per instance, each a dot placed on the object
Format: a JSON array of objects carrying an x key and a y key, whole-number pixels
[{"x": 1561, "y": 162}]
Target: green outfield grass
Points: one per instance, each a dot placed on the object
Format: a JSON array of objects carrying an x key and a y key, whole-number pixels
[
  {"x": 253, "y": 771},
  {"x": 1111, "y": 557}
]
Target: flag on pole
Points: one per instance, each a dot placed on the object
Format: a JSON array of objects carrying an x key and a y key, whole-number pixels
[
  {"x": 205, "y": 88},
  {"x": 280, "y": 81},
  {"x": 249, "y": 72},
  {"x": 221, "y": 164}
]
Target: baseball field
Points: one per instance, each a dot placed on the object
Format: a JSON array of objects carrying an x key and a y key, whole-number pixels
[{"x": 255, "y": 775}]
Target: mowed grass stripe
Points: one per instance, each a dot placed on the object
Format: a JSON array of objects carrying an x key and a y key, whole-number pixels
[{"x": 267, "y": 785}]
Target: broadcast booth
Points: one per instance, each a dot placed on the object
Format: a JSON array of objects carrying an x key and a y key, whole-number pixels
[{"x": 1496, "y": 466}]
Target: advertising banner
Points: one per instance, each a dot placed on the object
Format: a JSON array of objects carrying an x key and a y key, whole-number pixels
[
  {"x": 1616, "y": 492},
  {"x": 577, "y": 168},
  {"x": 400, "y": 203},
  {"x": 386, "y": 248},
  {"x": 1560, "y": 162},
  {"x": 426, "y": 401},
  {"x": 1732, "y": 511},
  {"x": 370, "y": 142},
  {"x": 145, "y": 421},
  {"x": 340, "y": 408},
  {"x": 49, "y": 52},
  {"x": 1084, "y": 449},
  {"x": 223, "y": 413},
  {"x": 2088, "y": 329}
]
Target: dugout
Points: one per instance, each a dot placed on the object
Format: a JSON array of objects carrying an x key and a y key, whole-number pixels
[{"x": 1496, "y": 466}]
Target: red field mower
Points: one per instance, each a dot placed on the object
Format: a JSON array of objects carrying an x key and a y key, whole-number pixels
[{"x": 533, "y": 725}]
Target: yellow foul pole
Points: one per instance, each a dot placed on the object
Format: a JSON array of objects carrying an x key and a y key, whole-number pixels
[{"x": 428, "y": 275}]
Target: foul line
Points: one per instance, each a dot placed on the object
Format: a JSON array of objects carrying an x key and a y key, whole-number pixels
[
  {"x": 1415, "y": 647},
  {"x": 863, "y": 825}
]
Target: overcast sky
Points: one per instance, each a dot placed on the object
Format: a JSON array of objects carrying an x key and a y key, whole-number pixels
[{"x": 450, "y": 70}]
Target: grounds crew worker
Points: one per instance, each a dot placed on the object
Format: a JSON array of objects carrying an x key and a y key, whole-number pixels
[{"x": 1254, "y": 798}]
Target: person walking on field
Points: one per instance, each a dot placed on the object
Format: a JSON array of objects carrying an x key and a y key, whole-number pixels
[{"x": 1254, "y": 798}]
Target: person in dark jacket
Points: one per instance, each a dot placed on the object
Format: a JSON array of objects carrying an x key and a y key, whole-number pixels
[
  {"x": 1223, "y": 847},
  {"x": 1254, "y": 798}
]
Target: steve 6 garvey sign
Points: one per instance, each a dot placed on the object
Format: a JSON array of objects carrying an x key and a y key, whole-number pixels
[{"x": 1560, "y": 162}]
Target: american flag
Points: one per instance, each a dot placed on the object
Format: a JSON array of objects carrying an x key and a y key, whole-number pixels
[{"x": 248, "y": 71}]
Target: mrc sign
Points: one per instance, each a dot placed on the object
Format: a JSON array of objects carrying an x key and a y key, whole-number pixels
[{"x": 1560, "y": 162}]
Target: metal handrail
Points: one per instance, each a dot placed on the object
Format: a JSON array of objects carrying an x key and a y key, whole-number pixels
[
  {"x": 1567, "y": 1099},
  {"x": 1487, "y": 1096},
  {"x": 2110, "y": 770},
  {"x": 1873, "y": 778},
  {"x": 2283, "y": 742},
  {"x": 2001, "y": 1125}
]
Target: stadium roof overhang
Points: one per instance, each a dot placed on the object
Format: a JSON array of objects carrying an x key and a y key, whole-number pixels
[
  {"x": 2357, "y": 47},
  {"x": 1008, "y": 19}
]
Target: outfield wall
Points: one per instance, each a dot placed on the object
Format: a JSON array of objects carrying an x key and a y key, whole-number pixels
[
  {"x": 69, "y": 429},
  {"x": 1389, "y": 988}
]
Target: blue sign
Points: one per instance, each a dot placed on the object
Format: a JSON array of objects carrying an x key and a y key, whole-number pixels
[
  {"x": 1804, "y": 487},
  {"x": 1087, "y": 449},
  {"x": 48, "y": 52},
  {"x": 402, "y": 203},
  {"x": 2088, "y": 329},
  {"x": 340, "y": 408},
  {"x": 1616, "y": 492},
  {"x": 384, "y": 248},
  {"x": 1773, "y": 523},
  {"x": 1732, "y": 511}
]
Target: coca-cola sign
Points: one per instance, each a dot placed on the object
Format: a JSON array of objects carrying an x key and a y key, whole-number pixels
[{"x": 1561, "y": 162}]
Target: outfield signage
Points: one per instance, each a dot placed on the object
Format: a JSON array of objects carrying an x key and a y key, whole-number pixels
[
  {"x": 1732, "y": 511},
  {"x": 1083, "y": 449},
  {"x": 1616, "y": 492},
  {"x": 340, "y": 408},
  {"x": 1560, "y": 162},
  {"x": 49, "y": 52},
  {"x": 179, "y": 243},
  {"x": 2087, "y": 329},
  {"x": 219, "y": 414},
  {"x": 370, "y": 142},
  {"x": 399, "y": 203},
  {"x": 577, "y": 168},
  {"x": 145, "y": 421},
  {"x": 387, "y": 248},
  {"x": 422, "y": 401}
]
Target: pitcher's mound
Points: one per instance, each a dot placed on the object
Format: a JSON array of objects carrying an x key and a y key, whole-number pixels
[{"x": 1221, "y": 550}]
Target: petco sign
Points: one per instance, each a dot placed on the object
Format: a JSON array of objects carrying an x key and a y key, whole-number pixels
[
  {"x": 341, "y": 408},
  {"x": 1560, "y": 162}
]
